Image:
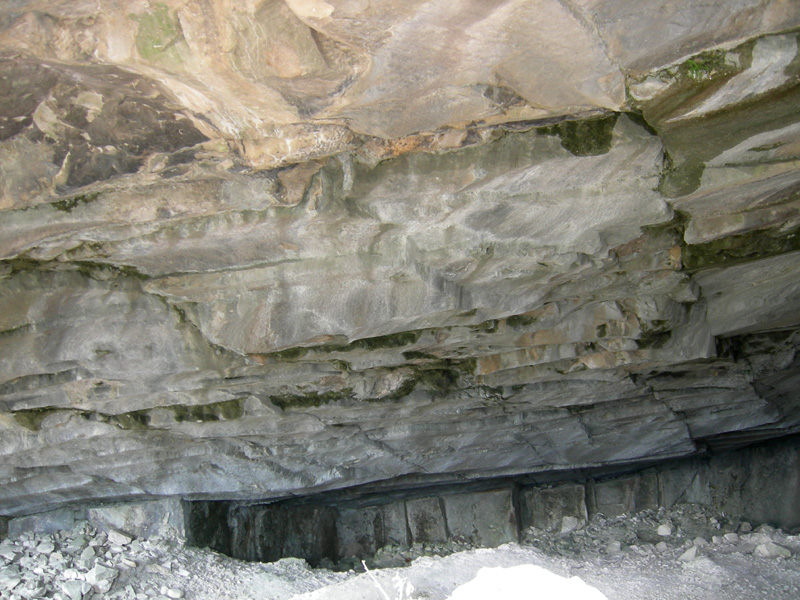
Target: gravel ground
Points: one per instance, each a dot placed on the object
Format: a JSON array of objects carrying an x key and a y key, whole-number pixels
[{"x": 684, "y": 553}]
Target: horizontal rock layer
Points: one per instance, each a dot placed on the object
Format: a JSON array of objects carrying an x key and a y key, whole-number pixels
[
  {"x": 344, "y": 528},
  {"x": 252, "y": 252}
]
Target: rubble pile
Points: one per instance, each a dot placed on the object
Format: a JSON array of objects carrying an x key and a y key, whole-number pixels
[
  {"x": 84, "y": 563},
  {"x": 684, "y": 532}
]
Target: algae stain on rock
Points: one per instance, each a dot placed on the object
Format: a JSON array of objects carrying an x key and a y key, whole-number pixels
[
  {"x": 218, "y": 411},
  {"x": 158, "y": 35},
  {"x": 742, "y": 248},
  {"x": 69, "y": 204},
  {"x": 585, "y": 137},
  {"x": 32, "y": 419},
  {"x": 309, "y": 400},
  {"x": 137, "y": 420}
]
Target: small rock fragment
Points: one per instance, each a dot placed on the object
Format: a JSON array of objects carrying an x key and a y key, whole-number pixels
[
  {"x": 613, "y": 547},
  {"x": 87, "y": 558},
  {"x": 569, "y": 524},
  {"x": 75, "y": 589},
  {"x": 700, "y": 542},
  {"x": 101, "y": 578},
  {"x": 118, "y": 538},
  {"x": 731, "y": 537},
  {"x": 664, "y": 530},
  {"x": 765, "y": 529},
  {"x": 689, "y": 555},
  {"x": 772, "y": 550},
  {"x": 173, "y": 593},
  {"x": 9, "y": 578},
  {"x": 661, "y": 546},
  {"x": 745, "y": 527},
  {"x": 8, "y": 550}
]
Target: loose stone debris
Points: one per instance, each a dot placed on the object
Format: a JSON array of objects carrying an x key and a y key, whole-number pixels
[
  {"x": 87, "y": 564},
  {"x": 672, "y": 531},
  {"x": 650, "y": 554}
]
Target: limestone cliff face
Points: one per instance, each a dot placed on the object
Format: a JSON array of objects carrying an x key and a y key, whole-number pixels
[{"x": 254, "y": 249}]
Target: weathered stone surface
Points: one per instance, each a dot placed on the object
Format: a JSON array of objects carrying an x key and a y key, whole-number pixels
[
  {"x": 484, "y": 519},
  {"x": 270, "y": 249},
  {"x": 546, "y": 508},
  {"x": 362, "y": 531},
  {"x": 623, "y": 495}
]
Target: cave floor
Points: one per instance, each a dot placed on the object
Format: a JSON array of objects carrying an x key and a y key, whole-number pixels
[{"x": 613, "y": 558}]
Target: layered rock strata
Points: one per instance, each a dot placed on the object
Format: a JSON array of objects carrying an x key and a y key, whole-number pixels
[
  {"x": 345, "y": 528},
  {"x": 264, "y": 250}
]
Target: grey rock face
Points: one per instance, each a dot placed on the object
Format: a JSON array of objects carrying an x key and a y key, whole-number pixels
[{"x": 248, "y": 269}]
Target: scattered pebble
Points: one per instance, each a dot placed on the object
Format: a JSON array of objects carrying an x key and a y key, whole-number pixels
[
  {"x": 745, "y": 527},
  {"x": 118, "y": 538},
  {"x": 689, "y": 555},
  {"x": 569, "y": 524},
  {"x": 772, "y": 550}
]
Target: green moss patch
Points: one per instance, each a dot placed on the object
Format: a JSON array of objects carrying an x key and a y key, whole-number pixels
[
  {"x": 97, "y": 270},
  {"x": 587, "y": 137},
  {"x": 137, "y": 420},
  {"x": 159, "y": 31},
  {"x": 742, "y": 248},
  {"x": 523, "y": 320},
  {"x": 489, "y": 326},
  {"x": 417, "y": 355},
  {"x": 393, "y": 340},
  {"x": 69, "y": 204},
  {"x": 310, "y": 400},
  {"x": 706, "y": 65},
  {"x": 31, "y": 419},
  {"x": 290, "y": 354},
  {"x": 691, "y": 142},
  {"x": 653, "y": 339},
  {"x": 217, "y": 411}
]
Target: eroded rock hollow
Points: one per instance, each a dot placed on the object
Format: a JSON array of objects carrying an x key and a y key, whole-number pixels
[{"x": 253, "y": 250}]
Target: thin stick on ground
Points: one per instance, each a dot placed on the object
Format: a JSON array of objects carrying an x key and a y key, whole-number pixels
[{"x": 375, "y": 581}]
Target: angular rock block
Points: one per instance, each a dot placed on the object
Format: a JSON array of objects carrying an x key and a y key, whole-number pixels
[
  {"x": 140, "y": 519},
  {"x": 271, "y": 532},
  {"x": 362, "y": 531},
  {"x": 426, "y": 520},
  {"x": 616, "y": 497},
  {"x": 486, "y": 519},
  {"x": 546, "y": 508},
  {"x": 47, "y": 522}
]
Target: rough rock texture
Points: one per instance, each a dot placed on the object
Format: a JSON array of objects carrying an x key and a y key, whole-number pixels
[
  {"x": 344, "y": 528},
  {"x": 251, "y": 250},
  {"x": 615, "y": 555}
]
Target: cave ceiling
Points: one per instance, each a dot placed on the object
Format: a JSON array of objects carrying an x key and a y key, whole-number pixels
[{"x": 257, "y": 249}]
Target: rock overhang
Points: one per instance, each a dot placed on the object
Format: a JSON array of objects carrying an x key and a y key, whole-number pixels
[{"x": 230, "y": 279}]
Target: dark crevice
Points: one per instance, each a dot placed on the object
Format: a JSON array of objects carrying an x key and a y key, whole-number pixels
[{"x": 326, "y": 529}]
